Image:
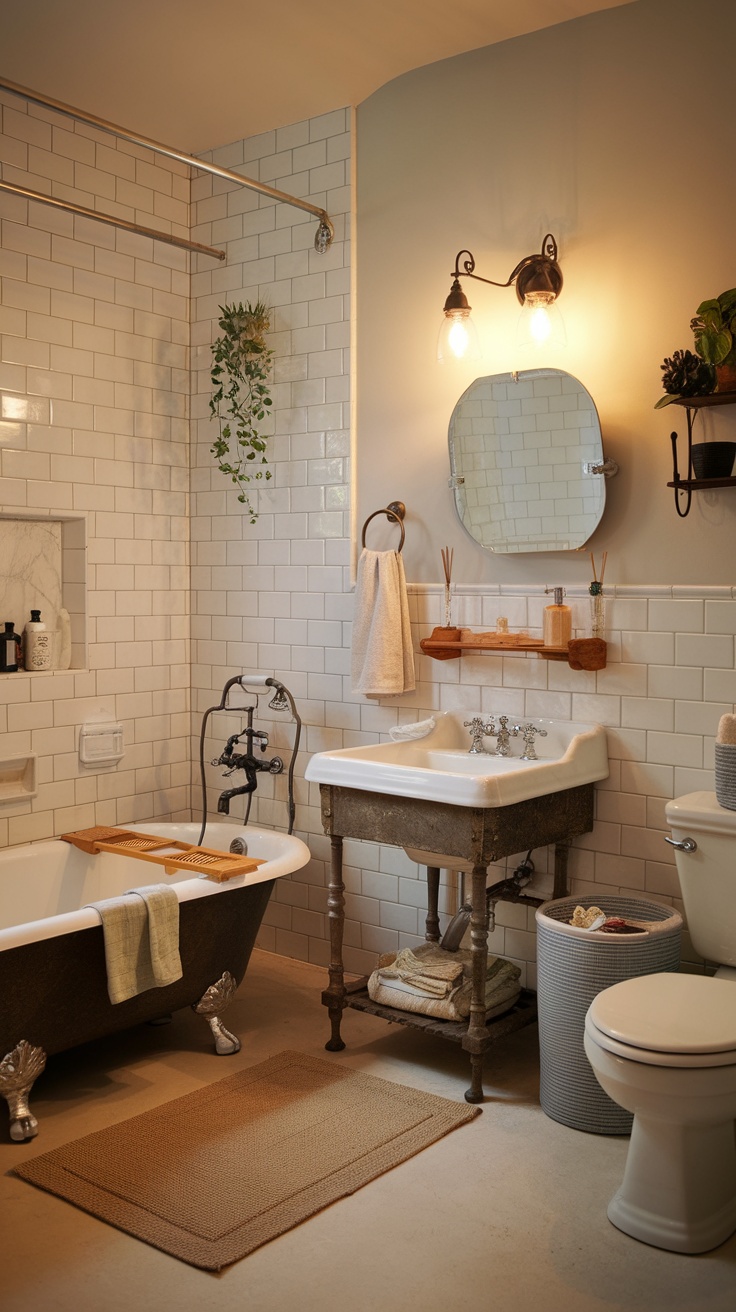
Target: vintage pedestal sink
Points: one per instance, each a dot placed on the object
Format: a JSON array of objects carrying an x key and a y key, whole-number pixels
[{"x": 453, "y": 808}]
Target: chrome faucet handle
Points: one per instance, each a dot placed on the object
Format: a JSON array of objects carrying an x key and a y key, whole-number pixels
[
  {"x": 528, "y": 733},
  {"x": 478, "y": 730}
]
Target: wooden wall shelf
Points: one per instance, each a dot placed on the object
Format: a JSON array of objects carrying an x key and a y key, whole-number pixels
[{"x": 447, "y": 644}]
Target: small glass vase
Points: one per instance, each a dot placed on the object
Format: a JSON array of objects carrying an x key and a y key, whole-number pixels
[
  {"x": 597, "y": 611},
  {"x": 448, "y": 606}
]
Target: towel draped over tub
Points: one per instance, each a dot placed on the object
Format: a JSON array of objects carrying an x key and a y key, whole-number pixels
[{"x": 141, "y": 931}]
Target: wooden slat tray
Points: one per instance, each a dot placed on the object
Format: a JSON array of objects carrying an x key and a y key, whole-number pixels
[{"x": 172, "y": 854}]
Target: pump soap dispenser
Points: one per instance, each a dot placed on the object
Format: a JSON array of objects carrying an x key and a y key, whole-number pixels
[{"x": 557, "y": 621}]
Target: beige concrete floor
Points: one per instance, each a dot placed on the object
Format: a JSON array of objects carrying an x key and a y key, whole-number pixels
[{"x": 507, "y": 1213}]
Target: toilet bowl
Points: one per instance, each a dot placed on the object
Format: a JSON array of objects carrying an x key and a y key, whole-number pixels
[{"x": 663, "y": 1046}]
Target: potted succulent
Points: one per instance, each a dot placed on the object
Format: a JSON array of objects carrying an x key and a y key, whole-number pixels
[
  {"x": 241, "y": 364},
  {"x": 685, "y": 374}
]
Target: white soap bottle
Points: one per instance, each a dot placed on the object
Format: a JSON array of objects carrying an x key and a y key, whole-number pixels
[
  {"x": 63, "y": 640},
  {"x": 36, "y": 644},
  {"x": 557, "y": 621}
]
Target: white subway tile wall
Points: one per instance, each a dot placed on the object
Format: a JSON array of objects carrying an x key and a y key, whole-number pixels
[
  {"x": 277, "y": 598},
  {"x": 94, "y": 430},
  {"x": 95, "y": 385}
]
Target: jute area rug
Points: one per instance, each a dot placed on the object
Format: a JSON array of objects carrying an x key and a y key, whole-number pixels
[{"x": 213, "y": 1175}]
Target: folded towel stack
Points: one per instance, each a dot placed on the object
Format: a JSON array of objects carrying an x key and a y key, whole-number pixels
[
  {"x": 141, "y": 932},
  {"x": 435, "y": 978},
  {"x": 431, "y": 982}
]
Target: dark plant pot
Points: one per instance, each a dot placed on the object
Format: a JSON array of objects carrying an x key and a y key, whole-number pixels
[{"x": 713, "y": 459}]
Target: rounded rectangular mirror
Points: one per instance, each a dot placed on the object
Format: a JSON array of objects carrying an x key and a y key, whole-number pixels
[{"x": 523, "y": 448}]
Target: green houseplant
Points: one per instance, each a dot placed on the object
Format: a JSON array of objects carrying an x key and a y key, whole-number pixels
[
  {"x": 714, "y": 330},
  {"x": 712, "y": 366},
  {"x": 241, "y": 364}
]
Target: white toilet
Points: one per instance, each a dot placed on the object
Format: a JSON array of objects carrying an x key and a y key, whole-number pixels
[{"x": 664, "y": 1047}]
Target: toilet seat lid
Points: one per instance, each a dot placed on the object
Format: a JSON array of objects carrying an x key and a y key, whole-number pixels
[{"x": 669, "y": 1013}]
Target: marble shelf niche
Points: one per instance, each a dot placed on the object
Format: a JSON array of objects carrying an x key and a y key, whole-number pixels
[{"x": 43, "y": 566}]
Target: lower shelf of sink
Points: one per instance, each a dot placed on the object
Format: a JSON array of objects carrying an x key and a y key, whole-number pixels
[{"x": 523, "y": 1012}]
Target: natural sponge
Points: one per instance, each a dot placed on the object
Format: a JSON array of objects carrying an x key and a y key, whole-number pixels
[{"x": 726, "y": 729}]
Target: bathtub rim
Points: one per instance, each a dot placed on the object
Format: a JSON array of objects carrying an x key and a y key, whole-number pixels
[{"x": 294, "y": 857}]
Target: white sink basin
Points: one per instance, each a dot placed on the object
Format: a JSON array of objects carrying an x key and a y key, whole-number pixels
[{"x": 440, "y": 767}]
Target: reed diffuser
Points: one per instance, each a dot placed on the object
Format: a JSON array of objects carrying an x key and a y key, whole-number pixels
[
  {"x": 597, "y": 599},
  {"x": 447, "y": 555},
  {"x": 446, "y": 631}
]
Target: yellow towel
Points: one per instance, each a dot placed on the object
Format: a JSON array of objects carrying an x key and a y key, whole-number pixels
[
  {"x": 437, "y": 977},
  {"x": 141, "y": 932},
  {"x": 382, "y": 662}
]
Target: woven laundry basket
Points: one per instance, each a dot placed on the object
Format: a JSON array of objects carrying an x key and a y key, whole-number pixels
[
  {"x": 725, "y": 775},
  {"x": 573, "y": 965}
]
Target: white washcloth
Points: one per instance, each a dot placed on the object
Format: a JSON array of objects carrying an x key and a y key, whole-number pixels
[
  {"x": 382, "y": 657},
  {"x": 141, "y": 932},
  {"x": 402, "y": 733}
]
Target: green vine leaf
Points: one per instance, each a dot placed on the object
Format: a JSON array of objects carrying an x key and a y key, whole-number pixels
[{"x": 241, "y": 364}]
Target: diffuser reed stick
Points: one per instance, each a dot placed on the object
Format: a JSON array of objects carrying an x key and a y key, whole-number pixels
[{"x": 447, "y": 555}]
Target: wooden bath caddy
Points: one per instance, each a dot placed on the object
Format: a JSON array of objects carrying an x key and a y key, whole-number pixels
[{"x": 172, "y": 854}]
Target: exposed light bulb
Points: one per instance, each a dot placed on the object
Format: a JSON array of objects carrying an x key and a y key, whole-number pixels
[
  {"x": 458, "y": 338},
  {"x": 540, "y": 321}
]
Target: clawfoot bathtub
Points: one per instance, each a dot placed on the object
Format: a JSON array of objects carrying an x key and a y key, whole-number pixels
[{"x": 53, "y": 980}]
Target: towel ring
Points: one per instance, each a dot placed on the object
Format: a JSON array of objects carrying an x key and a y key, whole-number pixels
[{"x": 395, "y": 511}]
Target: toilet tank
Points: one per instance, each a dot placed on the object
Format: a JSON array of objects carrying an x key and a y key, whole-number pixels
[{"x": 707, "y": 875}]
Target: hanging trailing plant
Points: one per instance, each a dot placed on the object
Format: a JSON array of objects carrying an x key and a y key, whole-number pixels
[{"x": 241, "y": 364}]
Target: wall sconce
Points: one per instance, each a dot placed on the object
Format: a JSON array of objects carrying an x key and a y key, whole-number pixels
[{"x": 538, "y": 284}]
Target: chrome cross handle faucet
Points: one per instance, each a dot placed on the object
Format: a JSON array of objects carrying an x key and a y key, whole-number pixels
[
  {"x": 528, "y": 733},
  {"x": 478, "y": 731},
  {"x": 503, "y": 735}
]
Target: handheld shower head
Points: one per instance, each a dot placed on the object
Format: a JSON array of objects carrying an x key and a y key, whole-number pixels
[{"x": 279, "y": 701}]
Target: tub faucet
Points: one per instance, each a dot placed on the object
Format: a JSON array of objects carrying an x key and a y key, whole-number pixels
[
  {"x": 223, "y": 801},
  {"x": 246, "y": 761}
]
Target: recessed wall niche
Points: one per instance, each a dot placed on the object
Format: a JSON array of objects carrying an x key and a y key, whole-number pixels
[{"x": 43, "y": 566}]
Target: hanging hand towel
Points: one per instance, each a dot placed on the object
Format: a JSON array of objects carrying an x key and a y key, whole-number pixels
[{"x": 382, "y": 656}]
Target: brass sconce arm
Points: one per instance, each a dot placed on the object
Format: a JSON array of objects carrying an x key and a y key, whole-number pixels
[
  {"x": 538, "y": 282},
  {"x": 541, "y": 273}
]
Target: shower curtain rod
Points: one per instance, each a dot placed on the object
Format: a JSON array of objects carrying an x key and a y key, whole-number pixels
[
  {"x": 101, "y": 217},
  {"x": 325, "y": 231}
]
